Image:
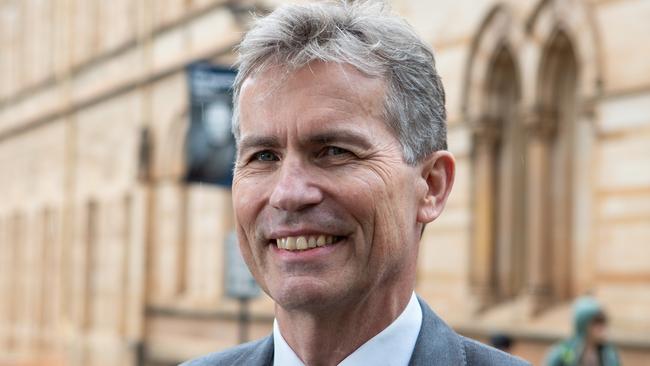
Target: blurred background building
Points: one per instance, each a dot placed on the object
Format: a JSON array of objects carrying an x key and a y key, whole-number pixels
[{"x": 111, "y": 254}]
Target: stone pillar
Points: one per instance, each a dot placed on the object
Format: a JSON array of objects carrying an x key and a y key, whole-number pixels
[
  {"x": 542, "y": 128},
  {"x": 487, "y": 132}
]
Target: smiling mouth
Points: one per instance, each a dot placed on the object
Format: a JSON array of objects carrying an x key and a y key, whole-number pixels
[{"x": 296, "y": 243}]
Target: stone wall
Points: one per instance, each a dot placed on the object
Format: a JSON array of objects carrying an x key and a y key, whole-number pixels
[{"x": 106, "y": 259}]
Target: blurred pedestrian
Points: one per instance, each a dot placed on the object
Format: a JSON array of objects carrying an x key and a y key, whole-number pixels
[
  {"x": 501, "y": 341},
  {"x": 588, "y": 346}
]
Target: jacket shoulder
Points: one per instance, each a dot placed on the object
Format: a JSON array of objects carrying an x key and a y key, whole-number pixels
[
  {"x": 258, "y": 352},
  {"x": 438, "y": 344},
  {"x": 477, "y": 353}
]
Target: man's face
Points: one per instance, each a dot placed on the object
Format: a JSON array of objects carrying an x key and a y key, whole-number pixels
[
  {"x": 318, "y": 165},
  {"x": 597, "y": 331}
]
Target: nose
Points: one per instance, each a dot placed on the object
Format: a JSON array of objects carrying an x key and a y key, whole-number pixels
[{"x": 295, "y": 188}]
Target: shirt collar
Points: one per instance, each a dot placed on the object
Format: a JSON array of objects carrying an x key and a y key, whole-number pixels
[{"x": 392, "y": 346}]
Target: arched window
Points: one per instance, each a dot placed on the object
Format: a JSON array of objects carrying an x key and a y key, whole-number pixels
[
  {"x": 499, "y": 166},
  {"x": 550, "y": 174}
]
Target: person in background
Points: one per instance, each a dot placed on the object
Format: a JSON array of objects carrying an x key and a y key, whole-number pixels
[
  {"x": 588, "y": 346},
  {"x": 501, "y": 341}
]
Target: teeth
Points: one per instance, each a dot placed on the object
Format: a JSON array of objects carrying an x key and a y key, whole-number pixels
[
  {"x": 291, "y": 243},
  {"x": 303, "y": 242}
]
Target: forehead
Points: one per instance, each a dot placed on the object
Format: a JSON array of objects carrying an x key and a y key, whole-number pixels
[{"x": 319, "y": 90}]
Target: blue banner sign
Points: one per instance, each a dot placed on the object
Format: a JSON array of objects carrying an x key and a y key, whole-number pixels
[{"x": 209, "y": 144}]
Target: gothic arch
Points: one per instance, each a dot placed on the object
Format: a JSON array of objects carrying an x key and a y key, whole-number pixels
[
  {"x": 574, "y": 19},
  {"x": 491, "y": 108},
  {"x": 499, "y": 29},
  {"x": 559, "y": 96}
]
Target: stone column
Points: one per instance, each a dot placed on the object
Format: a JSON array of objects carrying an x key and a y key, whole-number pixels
[
  {"x": 542, "y": 127},
  {"x": 487, "y": 132}
]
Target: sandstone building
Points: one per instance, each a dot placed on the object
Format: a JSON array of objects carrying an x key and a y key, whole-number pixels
[{"x": 109, "y": 257}]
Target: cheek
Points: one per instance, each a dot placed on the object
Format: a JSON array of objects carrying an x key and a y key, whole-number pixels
[
  {"x": 254, "y": 259},
  {"x": 246, "y": 206},
  {"x": 382, "y": 209},
  {"x": 247, "y": 201}
]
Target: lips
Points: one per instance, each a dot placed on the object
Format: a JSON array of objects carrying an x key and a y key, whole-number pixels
[{"x": 305, "y": 242}]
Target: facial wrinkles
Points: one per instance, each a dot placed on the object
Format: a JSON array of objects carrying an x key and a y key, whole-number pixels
[
  {"x": 378, "y": 161},
  {"x": 385, "y": 170},
  {"x": 379, "y": 242},
  {"x": 322, "y": 216},
  {"x": 378, "y": 164},
  {"x": 322, "y": 219},
  {"x": 351, "y": 101}
]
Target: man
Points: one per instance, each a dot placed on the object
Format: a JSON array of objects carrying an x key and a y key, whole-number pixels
[
  {"x": 341, "y": 162},
  {"x": 588, "y": 346}
]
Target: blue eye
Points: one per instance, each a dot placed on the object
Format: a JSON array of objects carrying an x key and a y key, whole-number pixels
[
  {"x": 334, "y": 150},
  {"x": 266, "y": 156}
]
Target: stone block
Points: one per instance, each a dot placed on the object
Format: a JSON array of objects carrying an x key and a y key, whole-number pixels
[
  {"x": 621, "y": 207},
  {"x": 33, "y": 167},
  {"x": 451, "y": 62},
  {"x": 625, "y": 113},
  {"x": 215, "y": 30},
  {"x": 461, "y": 194},
  {"x": 623, "y": 25},
  {"x": 459, "y": 140},
  {"x": 453, "y": 218},
  {"x": 36, "y": 106},
  {"x": 168, "y": 11},
  {"x": 13, "y": 54},
  {"x": 444, "y": 251},
  {"x": 107, "y": 145},
  {"x": 211, "y": 213},
  {"x": 624, "y": 248},
  {"x": 38, "y": 41},
  {"x": 626, "y": 314},
  {"x": 441, "y": 24},
  {"x": 167, "y": 252},
  {"x": 202, "y": 4},
  {"x": 85, "y": 31},
  {"x": 170, "y": 48},
  {"x": 107, "y": 75},
  {"x": 170, "y": 119},
  {"x": 118, "y": 18},
  {"x": 624, "y": 162}
]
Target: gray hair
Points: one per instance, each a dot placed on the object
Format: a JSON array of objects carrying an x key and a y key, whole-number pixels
[{"x": 365, "y": 35}]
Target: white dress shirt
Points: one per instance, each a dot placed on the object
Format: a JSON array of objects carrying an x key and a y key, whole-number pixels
[{"x": 393, "y": 346}]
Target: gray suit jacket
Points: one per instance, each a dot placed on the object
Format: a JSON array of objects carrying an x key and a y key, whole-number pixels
[{"x": 437, "y": 345}]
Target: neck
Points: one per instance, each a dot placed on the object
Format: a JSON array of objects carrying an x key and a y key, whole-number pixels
[{"x": 328, "y": 337}]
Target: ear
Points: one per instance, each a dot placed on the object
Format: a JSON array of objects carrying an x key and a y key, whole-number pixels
[{"x": 438, "y": 171}]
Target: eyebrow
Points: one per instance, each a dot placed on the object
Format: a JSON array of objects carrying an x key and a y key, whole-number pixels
[
  {"x": 345, "y": 136},
  {"x": 324, "y": 138},
  {"x": 257, "y": 141}
]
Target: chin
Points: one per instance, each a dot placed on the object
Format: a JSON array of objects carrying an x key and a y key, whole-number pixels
[{"x": 305, "y": 295}]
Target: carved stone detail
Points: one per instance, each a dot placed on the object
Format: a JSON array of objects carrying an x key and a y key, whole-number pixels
[
  {"x": 541, "y": 122},
  {"x": 487, "y": 130}
]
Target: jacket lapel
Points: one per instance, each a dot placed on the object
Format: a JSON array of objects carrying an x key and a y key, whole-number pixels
[
  {"x": 261, "y": 355},
  {"x": 437, "y": 344}
]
